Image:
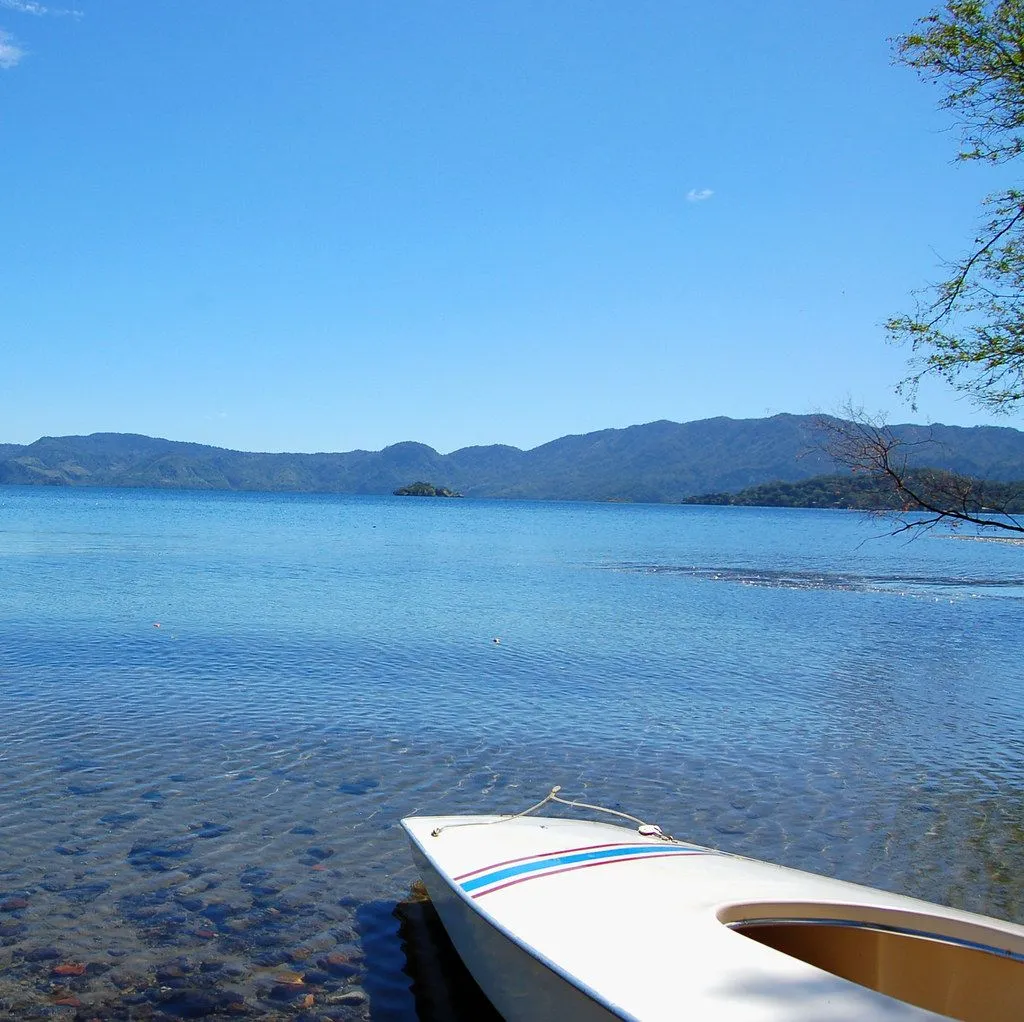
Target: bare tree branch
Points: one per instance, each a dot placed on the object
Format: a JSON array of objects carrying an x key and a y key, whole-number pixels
[{"x": 923, "y": 497}]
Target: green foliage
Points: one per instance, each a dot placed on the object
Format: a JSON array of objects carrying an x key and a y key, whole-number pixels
[
  {"x": 969, "y": 329},
  {"x": 865, "y": 492},
  {"x": 974, "y": 48},
  {"x": 425, "y": 490}
]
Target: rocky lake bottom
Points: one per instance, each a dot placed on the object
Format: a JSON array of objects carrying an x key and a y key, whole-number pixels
[{"x": 262, "y": 892}]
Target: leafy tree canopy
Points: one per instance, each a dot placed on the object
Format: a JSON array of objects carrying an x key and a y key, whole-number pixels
[{"x": 969, "y": 329}]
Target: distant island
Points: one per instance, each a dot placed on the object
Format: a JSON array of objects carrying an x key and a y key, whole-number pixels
[
  {"x": 424, "y": 490},
  {"x": 720, "y": 460}
]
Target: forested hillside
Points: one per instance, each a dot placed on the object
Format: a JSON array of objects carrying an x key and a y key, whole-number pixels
[{"x": 659, "y": 461}]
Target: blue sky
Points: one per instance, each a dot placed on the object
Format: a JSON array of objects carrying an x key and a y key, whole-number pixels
[{"x": 332, "y": 224}]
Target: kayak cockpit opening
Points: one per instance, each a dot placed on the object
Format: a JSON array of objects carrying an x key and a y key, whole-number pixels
[{"x": 946, "y": 966}]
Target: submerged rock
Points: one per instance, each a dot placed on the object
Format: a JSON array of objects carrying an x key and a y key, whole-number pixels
[
  {"x": 82, "y": 893},
  {"x": 218, "y": 911},
  {"x": 158, "y": 856},
  {"x": 66, "y": 1000},
  {"x": 88, "y": 789},
  {"x": 190, "y": 1003},
  {"x": 361, "y": 786},
  {"x": 253, "y": 875},
  {"x": 11, "y": 929},
  {"x": 289, "y": 993},
  {"x": 69, "y": 969},
  {"x": 118, "y": 820},
  {"x": 41, "y": 954},
  {"x": 209, "y": 830},
  {"x": 168, "y": 975},
  {"x": 337, "y": 965}
]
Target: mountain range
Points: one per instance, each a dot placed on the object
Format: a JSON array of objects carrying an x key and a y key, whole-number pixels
[{"x": 655, "y": 462}]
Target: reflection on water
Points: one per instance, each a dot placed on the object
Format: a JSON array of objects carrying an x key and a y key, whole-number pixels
[
  {"x": 443, "y": 989},
  {"x": 201, "y": 817}
]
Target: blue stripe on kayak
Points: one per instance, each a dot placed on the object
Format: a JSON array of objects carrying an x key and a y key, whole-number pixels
[{"x": 568, "y": 860}]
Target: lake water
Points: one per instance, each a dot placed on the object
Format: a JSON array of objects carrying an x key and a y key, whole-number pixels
[{"x": 215, "y": 707}]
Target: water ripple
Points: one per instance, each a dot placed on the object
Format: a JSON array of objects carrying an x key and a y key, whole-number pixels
[{"x": 222, "y": 792}]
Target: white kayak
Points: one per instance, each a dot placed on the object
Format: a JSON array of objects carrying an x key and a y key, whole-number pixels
[{"x": 574, "y": 920}]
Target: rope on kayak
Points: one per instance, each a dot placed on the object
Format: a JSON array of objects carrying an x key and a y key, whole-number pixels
[{"x": 645, "y": 829}]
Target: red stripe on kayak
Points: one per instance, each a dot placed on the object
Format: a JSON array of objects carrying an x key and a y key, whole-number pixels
[
  {"x": 582, "y": 865},
  {"x": 544, "y": 855}
]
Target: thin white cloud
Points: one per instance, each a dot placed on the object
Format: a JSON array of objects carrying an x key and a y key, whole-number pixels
[
  {"x": 30, "y": 7},
  {"x": 10, "y": 52},
  {"x": 699, "y": 194},
  {"x": 23, "y": 6}
]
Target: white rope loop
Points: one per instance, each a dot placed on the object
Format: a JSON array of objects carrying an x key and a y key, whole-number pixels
[{"x": 644, "y": 829}]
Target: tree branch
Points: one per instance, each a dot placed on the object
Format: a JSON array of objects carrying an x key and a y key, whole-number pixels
[{"x": 862, "y": 444}]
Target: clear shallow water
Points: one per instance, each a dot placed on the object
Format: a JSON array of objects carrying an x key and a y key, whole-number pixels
[{"x": 208, "y": 808}]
